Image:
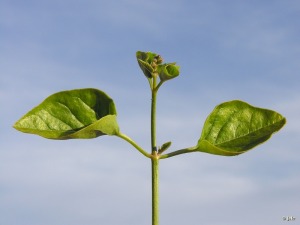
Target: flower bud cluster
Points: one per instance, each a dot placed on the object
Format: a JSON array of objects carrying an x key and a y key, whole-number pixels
[
  {"x": 155, "y": 63},
  {"x": 151, "y": 65}
]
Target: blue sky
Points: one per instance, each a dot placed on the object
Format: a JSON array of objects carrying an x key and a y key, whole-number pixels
[{"x": 246, "y": 50}]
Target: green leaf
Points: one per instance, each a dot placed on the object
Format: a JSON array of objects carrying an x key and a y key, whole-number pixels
[
  {"x": 145, "y": 60},
  {"x": 80, "y": 113},
  {"x": 146, "y": 67},
  {"x": 235, "y": 127},
  {"x": 168, "y": 71}
]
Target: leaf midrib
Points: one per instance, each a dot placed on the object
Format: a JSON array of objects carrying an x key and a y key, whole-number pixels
[{"x": 240, "y": 137}]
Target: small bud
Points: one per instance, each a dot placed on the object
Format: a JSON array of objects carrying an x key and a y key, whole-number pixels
[
  {"x": 158, "y": 59},
  {"x": 164, "y": 147},
  {"x": 154, "y": 65}
]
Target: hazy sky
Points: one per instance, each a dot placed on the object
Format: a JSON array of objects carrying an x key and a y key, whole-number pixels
[{"x": 246, "y": 50}]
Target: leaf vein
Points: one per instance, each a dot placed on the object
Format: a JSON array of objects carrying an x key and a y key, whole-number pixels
[
  {"x": 242, "y": 136},
  {"x": 223, "y": 126},
  {"x": 64, "y": 105},
  {"x": 59, "y": 120},
  {"x": 41, "y": 118},
  {"x": 211, "y": 126},
  {"x": 86, "y": 105}
]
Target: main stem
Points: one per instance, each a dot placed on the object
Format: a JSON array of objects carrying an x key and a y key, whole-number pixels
[
  {"x": 155, "y": 191},
  {"x": 154, "y": 159},
  {"x": 153, "y": 116}
]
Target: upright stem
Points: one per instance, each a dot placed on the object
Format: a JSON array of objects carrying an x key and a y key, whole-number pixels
[
  {"x": 154, "y": 159},
  {"x": 155, "y": 191},
  {"x": 153, "y": 116}
]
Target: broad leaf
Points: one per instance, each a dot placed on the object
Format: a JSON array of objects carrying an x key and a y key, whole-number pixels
[
  {"x": 81, "y": 113},
  {"x": 235, "y": 127}
]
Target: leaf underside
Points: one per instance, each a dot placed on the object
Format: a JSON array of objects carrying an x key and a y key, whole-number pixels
[
  {"x": 80, "y": 113},
  {"x": 235, "y": 127}
]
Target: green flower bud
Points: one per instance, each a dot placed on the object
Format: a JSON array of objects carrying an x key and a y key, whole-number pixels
[
  {"x": 159, "y": 59},
  {"x": 168, "y": 71},
  {"x": 154, "y": 64}
]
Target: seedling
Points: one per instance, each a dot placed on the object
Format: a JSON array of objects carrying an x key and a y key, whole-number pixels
[{"x": 231, "y": 129}]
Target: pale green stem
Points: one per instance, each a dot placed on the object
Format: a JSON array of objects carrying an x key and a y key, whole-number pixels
[
  {"x": 134, "y": 144},
  {"x": 159, "y": 84},
  {"x": 153, "y": 116},
  {"x": 155, "y": 191},
  {"x": 154, "y": 160}
]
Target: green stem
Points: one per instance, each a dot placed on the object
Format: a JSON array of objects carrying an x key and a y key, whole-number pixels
[
  {"x": 134, "y": 144},
  {"x": 155, "y": 191},
  {"x": 154, "y": 159},
  {"x": 158, "y": 86},
  {"x": 153, "y": 116}
]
